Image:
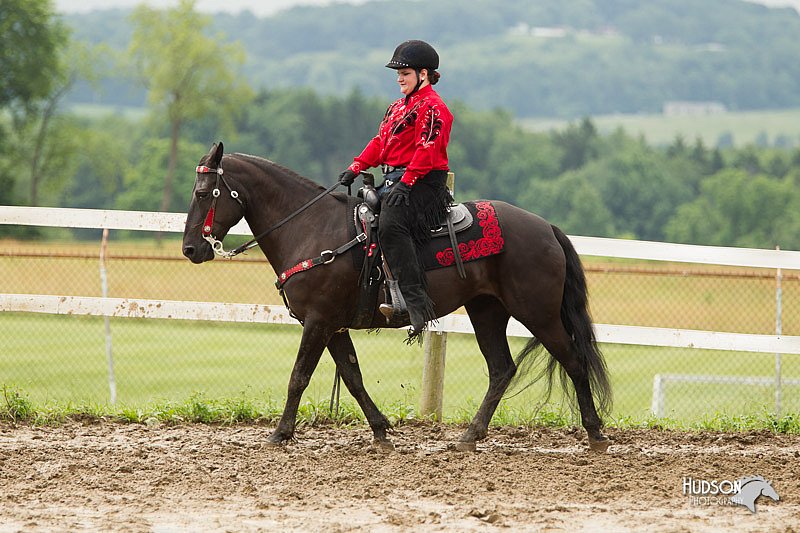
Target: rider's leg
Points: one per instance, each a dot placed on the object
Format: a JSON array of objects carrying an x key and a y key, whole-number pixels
[
  {"x": 401, "y": 256},
  {"x": 401, "y": 230}
]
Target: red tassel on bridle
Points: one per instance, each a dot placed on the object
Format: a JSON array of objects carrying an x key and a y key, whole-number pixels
[{"x": 208, "y": 223}]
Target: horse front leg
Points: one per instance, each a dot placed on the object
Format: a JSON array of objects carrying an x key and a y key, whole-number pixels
[
  {"x": 344, "y": 354},
  {"x": 313, "y": 342}
]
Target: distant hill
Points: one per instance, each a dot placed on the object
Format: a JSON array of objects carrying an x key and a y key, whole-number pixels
[
  {"x": 779, "y": 3},
  {"x": 536, "y": 58}
]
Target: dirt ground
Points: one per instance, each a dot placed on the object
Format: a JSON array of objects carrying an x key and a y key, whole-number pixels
[{"x": 104, "y": 476}]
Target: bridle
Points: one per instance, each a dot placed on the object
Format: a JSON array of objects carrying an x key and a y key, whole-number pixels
[
  {"x": 216, "y": 244},
  {"x": 208, "y": 224}
]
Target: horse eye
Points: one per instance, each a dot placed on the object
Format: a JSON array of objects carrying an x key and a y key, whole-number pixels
[{"x": 201, "y": 195}]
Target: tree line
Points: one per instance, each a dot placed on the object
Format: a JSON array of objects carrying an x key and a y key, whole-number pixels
[
  {"x": 612, "y": 185},
  {"x": 605, "y": 56}
]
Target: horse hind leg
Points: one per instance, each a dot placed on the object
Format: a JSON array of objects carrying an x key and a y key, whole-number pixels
[
  {"x": 344, "y": 355},
  {"x": 489, "y": 320},
  {"x": 564, "y": 350}
]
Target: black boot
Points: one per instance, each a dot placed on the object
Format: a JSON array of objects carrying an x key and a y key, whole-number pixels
[
  {"x": 420, "y": 308},
  {"x": 409, "y": 304}
]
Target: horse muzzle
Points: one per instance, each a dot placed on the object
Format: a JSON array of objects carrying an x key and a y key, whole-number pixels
[{"x": 198, "y": 254}]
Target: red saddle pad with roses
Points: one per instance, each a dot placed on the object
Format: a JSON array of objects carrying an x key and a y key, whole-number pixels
[{"x": 482, "y": 239}]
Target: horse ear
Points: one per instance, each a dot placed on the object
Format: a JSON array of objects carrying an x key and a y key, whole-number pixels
[{"x": 215, "y": 154}]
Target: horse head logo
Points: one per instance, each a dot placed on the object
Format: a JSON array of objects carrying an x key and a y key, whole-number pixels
[{"x": 751, "y": 489}]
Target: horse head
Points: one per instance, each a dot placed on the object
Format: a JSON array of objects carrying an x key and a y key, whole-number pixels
[
  {"x": 216, "y": 206},
  {"x": 751, "y": 489}
]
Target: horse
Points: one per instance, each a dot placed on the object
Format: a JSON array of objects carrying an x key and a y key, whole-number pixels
[
  {"x": 751, "y": 488},
  {"x": 538, "y": 279}
]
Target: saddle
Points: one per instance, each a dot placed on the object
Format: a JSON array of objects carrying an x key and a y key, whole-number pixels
[
  {"x": 457, "y": 214},
  {"x": 366, "y": 219}
]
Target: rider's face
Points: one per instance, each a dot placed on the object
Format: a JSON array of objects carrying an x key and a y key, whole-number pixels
[{"x": 407, "y": 79}]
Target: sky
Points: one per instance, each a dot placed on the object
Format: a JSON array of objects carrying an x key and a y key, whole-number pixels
[{"x": 259, "y": 7}]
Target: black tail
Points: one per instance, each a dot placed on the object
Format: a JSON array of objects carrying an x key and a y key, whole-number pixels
[{"x": 578, "y": 323}]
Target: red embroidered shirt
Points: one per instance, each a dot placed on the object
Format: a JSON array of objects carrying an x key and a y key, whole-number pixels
[{"x": 412, "y": 134}]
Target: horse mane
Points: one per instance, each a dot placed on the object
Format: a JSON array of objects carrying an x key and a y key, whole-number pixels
[
  {"x": 267, "y": 166},
  {"x": 745, "y": 480}
]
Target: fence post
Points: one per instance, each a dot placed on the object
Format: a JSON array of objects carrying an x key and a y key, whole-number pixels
[
  {"x": 657, "y": 403},
  {"x": 112, "y": 383},
  {"x": 433, "y": 367},
  {"x": 778, "y": 331}
]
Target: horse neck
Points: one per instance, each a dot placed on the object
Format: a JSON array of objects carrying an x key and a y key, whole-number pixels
[{"x": 273, "y": 194}]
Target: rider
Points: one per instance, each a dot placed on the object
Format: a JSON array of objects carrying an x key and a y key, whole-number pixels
[{"x": 411, "y": 147}]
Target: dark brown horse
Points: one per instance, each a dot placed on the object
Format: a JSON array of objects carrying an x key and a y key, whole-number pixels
[{"x": 538, "y": 280}]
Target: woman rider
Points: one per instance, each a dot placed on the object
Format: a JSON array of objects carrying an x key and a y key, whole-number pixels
[{"x": 411, "y": 148}]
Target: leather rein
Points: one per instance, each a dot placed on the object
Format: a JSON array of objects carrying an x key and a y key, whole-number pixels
[{"x": 216, "y": 244}]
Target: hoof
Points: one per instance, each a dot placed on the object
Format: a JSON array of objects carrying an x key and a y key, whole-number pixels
[
  {"x": 599, "y": 445},
  {"x": 277, "y": 439},
  {"x": 383, "y": 445},
  {"x": 466, "y": 446}
]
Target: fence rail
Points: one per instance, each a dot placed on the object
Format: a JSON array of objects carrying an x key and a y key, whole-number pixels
[
  {"x": 454, "y": 323},
  {"x": 594, "y": 246}
]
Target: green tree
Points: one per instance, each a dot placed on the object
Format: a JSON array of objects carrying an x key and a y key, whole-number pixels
[
  {"x": 45, "y": 136},
  {"x": 571, "y": 202},
  {"x": 187, "y": 73},
  {"x": 736, "y": 208},
  {"x": 141, "y": 185},
  {"x": 493, "y": 157},
  {"x": 578, "y": 143},
  {"x": 631, "y": 190},
  {"x": 30, "y": 37},
  {"x": 316, "y": 136},
  {"x": 106, "y": 153},
  {"x": 642, "y": 188},
  {"x": 517, "y": 159}
]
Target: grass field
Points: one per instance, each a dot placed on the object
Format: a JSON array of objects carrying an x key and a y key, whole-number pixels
[
  {"x": 745, "y": 126},
  {"x": 62, "y": 359}
]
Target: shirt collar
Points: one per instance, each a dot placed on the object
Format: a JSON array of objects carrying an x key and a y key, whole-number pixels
[{"x": 421, "y": 93}]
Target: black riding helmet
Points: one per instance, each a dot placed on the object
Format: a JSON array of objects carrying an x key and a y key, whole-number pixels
[{"x": 414, "y": 54}]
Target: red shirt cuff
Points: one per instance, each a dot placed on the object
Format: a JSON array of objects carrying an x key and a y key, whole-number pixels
[{"x": 409, "y": 179}]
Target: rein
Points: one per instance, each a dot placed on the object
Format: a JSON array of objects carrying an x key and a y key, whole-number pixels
[
  {"x": 254, "y": 241},
  {"x": 216, "y": 244}
]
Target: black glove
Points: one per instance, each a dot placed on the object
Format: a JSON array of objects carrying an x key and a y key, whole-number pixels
[
  {"x": 347, "y": 177},
  {"x": 398, "y": 195}
]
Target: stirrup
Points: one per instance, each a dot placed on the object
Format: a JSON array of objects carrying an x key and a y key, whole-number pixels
[
  {"x": 386, "y": 310},
  {"x": 398, "y": 305}
]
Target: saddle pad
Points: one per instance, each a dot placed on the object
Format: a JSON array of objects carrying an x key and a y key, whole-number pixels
[{"x": 481, "y": 240}]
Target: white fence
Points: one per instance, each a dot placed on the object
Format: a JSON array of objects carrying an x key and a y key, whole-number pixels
[
  {"x": 587, "y": 246},
  {"x": 660, "y": 382}
]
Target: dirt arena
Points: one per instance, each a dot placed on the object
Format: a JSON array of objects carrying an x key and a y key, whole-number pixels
[{"x": 105, "y": 476}]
